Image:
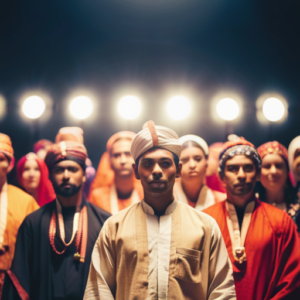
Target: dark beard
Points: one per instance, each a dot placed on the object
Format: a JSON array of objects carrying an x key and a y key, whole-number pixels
[{"x": 59, "y": 190}]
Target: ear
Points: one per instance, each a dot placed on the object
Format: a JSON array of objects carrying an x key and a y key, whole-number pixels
[
  {"x": 84, "y": 178},
  {"x": 178, "y": 170},
  {"x": 136, "y": 173}
]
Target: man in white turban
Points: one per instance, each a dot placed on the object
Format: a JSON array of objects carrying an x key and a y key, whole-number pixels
[{"x": 159, "y": 248}]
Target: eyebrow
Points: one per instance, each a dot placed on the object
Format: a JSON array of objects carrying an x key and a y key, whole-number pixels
[{"x": 151, "y": 159}]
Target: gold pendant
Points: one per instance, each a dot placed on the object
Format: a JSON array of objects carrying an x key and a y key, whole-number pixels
[
  {"x": 77, "y": 256},
  {"x": 239, "y": 254}
]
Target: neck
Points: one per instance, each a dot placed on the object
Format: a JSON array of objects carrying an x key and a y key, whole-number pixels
[
  {"x": 2, "y": 182},
  {"x": 74, "y": 200},
  {"x": 275, "y": 196},
  {"x": 124, "y": 185},
  {"x": 240, "y": 201},
  {"x": 192, "y": 188},
  {"x": 159, "y": 201}
]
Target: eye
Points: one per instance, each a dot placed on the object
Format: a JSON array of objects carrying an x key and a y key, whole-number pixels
[
  {"x": 232, "y": 168},
  {"x": 249, "y": 168},
  {"x": 268, "y": 166}
]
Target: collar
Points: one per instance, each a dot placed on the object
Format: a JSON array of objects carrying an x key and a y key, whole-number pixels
[{"x": 149, "y": 210}]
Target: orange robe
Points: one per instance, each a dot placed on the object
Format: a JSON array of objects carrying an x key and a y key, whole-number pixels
[
  {"x": 101, "y": 197},
  {"x": 272, "y": 245},
  {"x": 19, "y": 205}
]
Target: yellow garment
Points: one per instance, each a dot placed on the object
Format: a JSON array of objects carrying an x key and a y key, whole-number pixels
[
  {"x": 190, "y": 260},
  {"x": 20, "y": 204}
]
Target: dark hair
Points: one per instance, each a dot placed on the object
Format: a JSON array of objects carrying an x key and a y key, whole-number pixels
[
  {"x": 189, "y": 144},
  {"x": 175, "y": 157}
]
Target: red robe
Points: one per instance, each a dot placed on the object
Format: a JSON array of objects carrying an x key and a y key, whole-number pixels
[{"x": 272, "y": 269}]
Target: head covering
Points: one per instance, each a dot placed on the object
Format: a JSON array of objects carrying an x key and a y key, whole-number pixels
[
  {"x": 105, "y": 175},
  {"x": 7, "y": 149},
  {"x": 273, "y": 148},
  {"x": 41, "y": 144},
  {"x": 238, "y": 147},
  {"x": 197, "y": 139},
  {"x": 294, "y": 145},
  {"x": 155, "y": 136},
  {"x": 69, "y": 134},
  {"x": 45, "y": 189},
  {"x": 67, "y": 150}
]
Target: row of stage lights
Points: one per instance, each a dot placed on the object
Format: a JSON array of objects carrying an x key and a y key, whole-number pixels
[{"x": 179, "y": 108}]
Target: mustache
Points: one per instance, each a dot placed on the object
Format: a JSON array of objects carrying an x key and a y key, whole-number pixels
[
  {"x": 66, "y": 183},
  {"x": 158, "y": 181}
]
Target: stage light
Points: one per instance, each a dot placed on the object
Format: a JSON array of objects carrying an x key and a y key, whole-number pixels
[
  {"x": 33, "y": 107},
  {"x": 273, "y": 109},
  {"x": 228, "y": 109},
  {"x": 179, "y": 107},
  {"x": 129, "y": 107},
  {"x": 81, "y": 107}
]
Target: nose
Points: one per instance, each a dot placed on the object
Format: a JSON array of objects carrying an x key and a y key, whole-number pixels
[
  {"x": 66, "y": 174},
  {"x": 123, "y": 159},
  {"x": 192, "y": 164},
  {"x": 273, "y": 169},
  {"x": 241, "y": 173},
  {"x": 157, "y": 171}
]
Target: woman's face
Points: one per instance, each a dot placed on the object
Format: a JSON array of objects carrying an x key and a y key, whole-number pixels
[
  {"x": 31, "y": 176},
  {"x": 194, "y": 164},
  {"x": 273, "y": 172}
]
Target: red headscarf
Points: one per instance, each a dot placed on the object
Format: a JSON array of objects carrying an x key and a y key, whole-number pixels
[
  {"x": 273, "y": 148},
  {"x": 45, "y": 189}
]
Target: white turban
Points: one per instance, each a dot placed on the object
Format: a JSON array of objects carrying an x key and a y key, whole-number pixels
[
  {"x": 155, "y": 136},
  {"x": 197, "y": 139},
  {"x": 294, "y": 145}
]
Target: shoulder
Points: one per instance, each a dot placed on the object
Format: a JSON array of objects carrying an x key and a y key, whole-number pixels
[
  {"x": 215, "y": 209},
  {"x": 99, "y": 211},
  {"x": 21, "y": 199},
  {"x": 35, "y": 217},
  {"x": 18, "y": 193}
]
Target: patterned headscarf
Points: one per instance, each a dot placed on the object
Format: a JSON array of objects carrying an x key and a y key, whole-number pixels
[
  {"x": 238, "y": 147},
  {"x": 67, "y": 150},
  {"x": 273, "y": 148},
  {"x": 7, "y": 149}
]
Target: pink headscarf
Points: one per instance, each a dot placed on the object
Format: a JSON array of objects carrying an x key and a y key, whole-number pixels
[{"x": 45, "y": 189}]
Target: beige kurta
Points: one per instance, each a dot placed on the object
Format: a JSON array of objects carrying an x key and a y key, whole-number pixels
[{"x": 180, "y": 255}]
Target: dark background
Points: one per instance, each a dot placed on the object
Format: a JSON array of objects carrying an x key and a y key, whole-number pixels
[{"x": 153, "y": 49}]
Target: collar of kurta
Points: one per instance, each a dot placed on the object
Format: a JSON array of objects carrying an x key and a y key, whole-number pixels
[{"x": 149, "y": 210}]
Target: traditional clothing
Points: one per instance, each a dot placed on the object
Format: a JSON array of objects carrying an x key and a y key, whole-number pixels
[
  {"x": 272, "y": 248},
  {"x": 15, "y": 205},
  {"x": 41, "y": 147},
  {"x": 103, "y": 191},
  {"x": 179, "y": 255},
  {"x": 45, "y": 189},
  {"x": 55, "y": 243},
  {"x": 261, "y": 241}
]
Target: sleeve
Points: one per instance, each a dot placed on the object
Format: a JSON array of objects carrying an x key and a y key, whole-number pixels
[
  {"x": 285, "y": 281},
  {"x": 101, "y": 282},
  {"x": 221, "y": 283},
  {"x": 19, "y": 278}
]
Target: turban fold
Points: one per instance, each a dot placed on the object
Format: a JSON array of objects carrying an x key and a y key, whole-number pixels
[
  {"x": 294, "y": 145},
  {"x": 7, "y": 149},
  {"x": 273, "y": 148},
  {"x": 69, "y": 134},
  {"x": 155, "y": 136},
  {"x": 45, "y": 189},
  {"x": 238, "y": 147},
  {"x": 41, "y": 144},
  {"x": 197, "y": 139},
  {"x": 67, "y": 150},
  {"x": 105, "y": 175}
]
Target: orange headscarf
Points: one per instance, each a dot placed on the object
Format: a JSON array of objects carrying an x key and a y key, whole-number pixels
[
  {"x": 105, "y": 175},
  {"x": 7, "y": 149}
]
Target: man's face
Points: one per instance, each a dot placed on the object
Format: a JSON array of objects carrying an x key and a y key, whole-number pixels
[
  {"x": 240, "y": 176},
  {"x": 120, "y": 158},
  {"x": 4, "y": 167},
  {"x": 157, "y": 171},
  {"x": 194, "y": 164},
  {"x": 67, "y": 178},
  {"x": 296, "y": 165}
]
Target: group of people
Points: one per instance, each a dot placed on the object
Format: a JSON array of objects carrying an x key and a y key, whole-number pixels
[{"x": 162, "y": 218}]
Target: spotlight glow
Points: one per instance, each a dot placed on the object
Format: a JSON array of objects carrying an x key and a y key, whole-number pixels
[
  {"x": 129, "y": 107},
  {"x": 273, "y": 109},
  {"x": 228, "y": 109},
  {"x": 33, "y": 107},
  {"x": 81, "y": 107},
  {"x": 179, "y": 107}
]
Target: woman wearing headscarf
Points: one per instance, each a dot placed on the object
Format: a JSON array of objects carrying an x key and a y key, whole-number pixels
[
  {"x": 33, "y": 176},
  {"x": 190, "y": 188}
]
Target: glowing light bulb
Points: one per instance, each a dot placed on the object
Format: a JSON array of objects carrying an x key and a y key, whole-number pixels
[
  {"x": 81, "y": 107},
  {"x": 273, "y": 109},
  {"x": 179, "y": 107},
  {"x": 228, "y": 109},
  {"x": 129, "y": 107},
  {"x": 33, "y": 107}
]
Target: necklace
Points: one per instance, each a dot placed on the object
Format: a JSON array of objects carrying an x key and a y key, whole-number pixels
[{"x": 79, "y": 230}]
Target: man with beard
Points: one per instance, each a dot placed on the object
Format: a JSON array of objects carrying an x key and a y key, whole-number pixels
[
  {"x": 261, "y": 240},
  {"x": 115, "y": 187},
  {"x": 159, "y": 248},
  {"x": 55, "y": 243}
]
